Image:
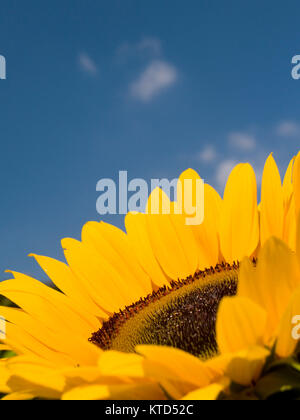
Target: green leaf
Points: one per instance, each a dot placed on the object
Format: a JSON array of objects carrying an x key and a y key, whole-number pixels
[{"x": 281, "y": 383}]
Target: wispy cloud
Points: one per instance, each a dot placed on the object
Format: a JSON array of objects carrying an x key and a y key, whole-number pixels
[
  {"x": 288, "y": 129},
  {"x": 223, "y": 171},
  {"x": 242, "y": 141},
  {"x": 87, "y": 64},
  {"x": 150, "y": 45},
  {"x": 155, "y": 78},
  {"x": 207, "y": 155}
]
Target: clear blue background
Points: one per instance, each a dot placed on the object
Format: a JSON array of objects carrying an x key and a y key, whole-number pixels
[{"x": 66, "y": 122}]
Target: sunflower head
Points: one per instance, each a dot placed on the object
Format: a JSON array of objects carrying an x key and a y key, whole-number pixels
[
  {"x": 182, "y": 315},
  {"x": 184, "y": 330}
]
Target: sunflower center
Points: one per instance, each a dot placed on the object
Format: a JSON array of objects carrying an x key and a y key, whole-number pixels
[{"x": 182, "y": 315}]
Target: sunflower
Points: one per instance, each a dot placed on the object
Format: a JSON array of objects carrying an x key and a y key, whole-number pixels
[{"x": 166, "y": 310}]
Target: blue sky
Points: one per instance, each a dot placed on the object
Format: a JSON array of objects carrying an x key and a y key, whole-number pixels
[{"x": 94, "y": 87}]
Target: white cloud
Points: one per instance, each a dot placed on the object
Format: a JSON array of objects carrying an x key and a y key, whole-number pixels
[
  {"x": 87, "y": 64},
  {"x": 288, "y": 129},
  {"x": 223, "y": 171},
  {"x": 208, "y": 154},
  {"x": 242, "y": 141},
  {"x": 149, "y": 45},
  {"x": 155, "y": 78}
]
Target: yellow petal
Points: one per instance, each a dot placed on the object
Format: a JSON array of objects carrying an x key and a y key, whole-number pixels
[
  {"x": 69, "y": 284},
  {"x": 109, "y": 289},
  {"x": 239, "y": 230},
  {"x": 84, "y": 376},
  {"x": 246, "y": 366},
  {"x": 4, "y": 376},
  {"x": 288, "y": 183},
  {"x": 175, "y": 390},
  {"x": 61, "y": 348},
  {"x": 113, "y": 245},
  {"x": 190, "y": 197},
  {"x": 115, "y": 392},
  {"x": 19, "y": 396},
  {"x": 289, "y": 329},
  {"x": 271, "y": 212},
  {"x": 23, "y": 343},
  {"x": 136, "y": 227},
  {"x": 113, "y": 363},
  {"x": 31, "y": 330},
  {"x": 240, "y": 324},
  {"x": 296, "y": 183},
  {"x": 159, "y": 203},
  {"x": 4, "y": 347},
  {"x": 291, "y": 202},
  {"x": 87, "y": 393},
  {"x": 272, "y": 283},
  {"x": 248, "y": 280},
  {"x": 172, "y": 241},
  {"x": 40, "y": 380},
  {"x": 289, "y": 230},
  {"x": 45, "y": 304},
  {"x": 207, "y": 233},
  {"x": 298, "y": 239},
  {"x": 219, "y": 363},
  {"x": 167, "y": 363},
  {"x": 209, "y": 393}
]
